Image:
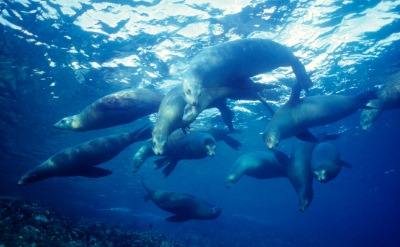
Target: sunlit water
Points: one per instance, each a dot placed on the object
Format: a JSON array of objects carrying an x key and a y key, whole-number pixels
[{"x": 59, "y": 56}]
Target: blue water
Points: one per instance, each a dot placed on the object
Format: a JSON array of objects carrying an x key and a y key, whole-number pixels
[{"x": 56, "y": 57}]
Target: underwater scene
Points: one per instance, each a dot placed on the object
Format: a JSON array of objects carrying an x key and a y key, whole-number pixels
[{"x": 200, "y": 123}]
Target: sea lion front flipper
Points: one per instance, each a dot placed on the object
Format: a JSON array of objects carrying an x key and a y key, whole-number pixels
[
  {"x": 226, "y": 113},
  {"x": 92, "y": 172},
  {"x": 345, "y": 164},
  {"x": 169, "y": 164},
  {"x": 177, "y": 218},
  {"x": 232, "y": 142},
  {"x": 170, "y": 167},
  {"x": 269, "y": 108},
  {"x": 307, "y": 136}
]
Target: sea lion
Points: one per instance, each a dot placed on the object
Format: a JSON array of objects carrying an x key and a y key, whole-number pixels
[
  {"x": 299, "y": 173},
  {"x": 174, "y": 140},
  {"x": 169, "y": 118},
  {"x": 184, "y": 206},
  {"x": 194, "y": 145},
  {"x": 221, "y": 65},
  {"x": 80, "y": 160},
  {"x": 295, "y": 118},
  {"x": 260, "y": 165},
  {"x": 118, "y": 108},
  {"x": 209, "y": 96},
  {"x": 388, "y": 99},
  {"x": 325, "y": 162}
]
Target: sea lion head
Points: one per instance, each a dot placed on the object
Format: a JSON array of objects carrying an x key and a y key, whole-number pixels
[
  {"x": 215, "y": 212},
  {"x": 304, "y": 202},
  {"x": 158, "y": 141},
  {"x": 29, "y": 177},
  {"x": 271, "y": 138},
  {"x": 231, "y": 180},
  {"x": 68, "y": 123},
  {"x": 321, "y": 175},
  {"x": 189, "y": 114},
  {"x": 366, "y": 120},
  {"x": 210, "y": 145},
  {"x": 192, "y": 91}
]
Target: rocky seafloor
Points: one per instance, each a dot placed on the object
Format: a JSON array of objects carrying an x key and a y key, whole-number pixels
[{"x": 24, "y": 223}]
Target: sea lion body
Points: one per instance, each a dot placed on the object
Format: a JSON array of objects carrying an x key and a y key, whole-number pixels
[
  {"x": 114, "y": 109},
  {"x": 210, "y": 96},
  {"x": 221, "y": 65},
  {"x": 80, "y": 160},
  {"x": 180, "y": 146},
  {"x": 195, "y": 145},
  {"x": 299, "y": 173},
  {"x": 169, "y": 118},
  {"x": 294, "y": 118},
  {"x": 325, "y": 162},
  {"x": 184, "y": 206},
  {"x": 388, "y": 99},
  {"x": 260, "y": 165}
]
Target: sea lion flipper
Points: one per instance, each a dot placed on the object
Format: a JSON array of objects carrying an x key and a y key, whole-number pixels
[
  {"x": 345, "y": 164},
  {"x": 232, "y": 142},
  {"x": 146, "y": 197},
  {"x": 169, "y": 164},
  {"x": 170, "y": 167},
  {"x": 327, "y": 137},
  {"x": 307, "y": 136},
  {"x": 93, "y": 172},
  {"x": 177, "y": 218},
  {"x": 269, "y": 108},
  {"x": 161, "y": 162},
  {"x": 226, "y": 113}
]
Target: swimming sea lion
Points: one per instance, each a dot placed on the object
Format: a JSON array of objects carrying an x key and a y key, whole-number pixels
[
  {"x": 388, "y": 98},
  {"x": 81, "y": 159},
  {"x": 299, "y": 173},
  {"x": 209, "y": 96},
  {"x": 295, "y": 118},
  {"x": 169, "y": 118},
  {"x": 221, "y": 65},
  {"x": 194, "y": 145},
  {"x": 325, "y": 162},
  {"x": 176, "y": 140},
  {"x": 184, "y": 206},
  {"x": 260, "y": 165},
  {"x": 114, "y": 109}
]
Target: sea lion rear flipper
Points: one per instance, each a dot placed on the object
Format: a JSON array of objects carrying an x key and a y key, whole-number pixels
[
  {"x": 177, "y": 218},
  {"x": 307, "y": 136},
  {"x": 93, "y": 172},
  {"x": 345, "y": 164}
]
